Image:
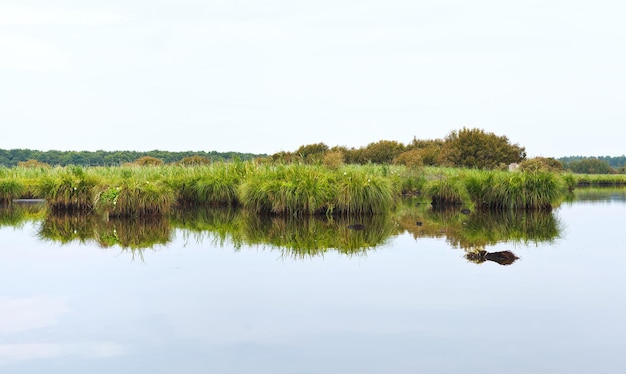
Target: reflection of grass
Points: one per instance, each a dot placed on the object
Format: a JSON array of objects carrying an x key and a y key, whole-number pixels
[
  {"x": 480, "y": 228},
  {"x": 135, "y": 233},
  {"x": 16, "y": 215},
  {"x": 597, "y": 194},
  {"x": 309, "y": 236},
  {"x": 297, "y": 236},
  {"x": 306, "y": 235}
]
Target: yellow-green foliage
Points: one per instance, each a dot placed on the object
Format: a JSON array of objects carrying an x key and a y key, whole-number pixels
[
  {"x": 517, "y": 190},
  {"x": 136, "y": 198},
  {"x": 11, "y": 189},
  {"x": 69, "y": 189},
  {"x": 287, "y": 189},
  {"x": 447, "y": 191},
  {"x": 411, "y": 159},
  {"x": 333, "y": 159},
  {"x": 360, "y": 192}
]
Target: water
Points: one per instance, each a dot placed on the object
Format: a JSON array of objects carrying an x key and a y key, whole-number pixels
[{"x": 199, "y": 303}]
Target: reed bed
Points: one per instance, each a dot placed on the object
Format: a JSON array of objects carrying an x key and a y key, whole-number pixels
[
  {"x": 69, "y": 189},
  {"x": 281, "y": 189},
  {"x": 599, "y": 180},
  {"x": 499, "y": 190},
  {"x": 360, "y": 192},
  {"x": 11, "y": 189},
  {"x": 292, "y": 189}
]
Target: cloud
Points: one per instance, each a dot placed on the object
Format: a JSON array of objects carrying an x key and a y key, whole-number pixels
[{"x": 31, "y": 312}]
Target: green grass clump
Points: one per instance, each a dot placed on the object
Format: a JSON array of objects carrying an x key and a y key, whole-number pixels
[
  {"x": 287, "y": 189},
  {"x": 69, "y": 189},
  {"x": 448, "y": 191},
  {"x": 361, "y": 192},
  {"x": 135, "y": 198},
  {"x": 11, "y": 189},
  {"x": 501, "y": 190}
]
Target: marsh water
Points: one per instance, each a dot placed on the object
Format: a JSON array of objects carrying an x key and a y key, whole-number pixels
[{"x": 219, "y": 291}]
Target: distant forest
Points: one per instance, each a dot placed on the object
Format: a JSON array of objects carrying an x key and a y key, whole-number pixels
[
  {"x": 613, "y": 162},
  {"x": 12, "y": 157}
]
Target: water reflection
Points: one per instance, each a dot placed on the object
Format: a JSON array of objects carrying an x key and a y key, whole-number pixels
[
  {"x": 598, "y": 195},
  {"x": 17, "y": 214},
  {"x": 297, "y": 237},
  {"x": 127, "y": 233}
]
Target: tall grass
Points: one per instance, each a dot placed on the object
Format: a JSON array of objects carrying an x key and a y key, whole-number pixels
[
  {"x": 501, "y": 190},
  {"x": 361, "y": 192},
  {"x": 282, "y": 189},
  {"x": 134, "y": 198},
  {"x": 291, "y": 189},
  {"x": 11, "y": 189},
  {"x": 69, "y": 189}
]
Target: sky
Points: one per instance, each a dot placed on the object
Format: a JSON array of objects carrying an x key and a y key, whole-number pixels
[{"x": 269, "y": 76}]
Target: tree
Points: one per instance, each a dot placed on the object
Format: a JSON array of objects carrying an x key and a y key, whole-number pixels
[
  {"x": 590, "y": 166},
  {"x": 412, "y": 159},
  {"x": 312, "y": 153},
  {"x": 430, "y": 150},
  {"x": 474, "y": 148},
  {"x": 194, "y": 160},
  {"x": 383, "y": 151},
  {"x": 148, "y": 161},
  {"x": 541, "y": 164}
]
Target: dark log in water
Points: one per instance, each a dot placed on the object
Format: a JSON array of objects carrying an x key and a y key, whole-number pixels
[{"x": 501, "y": 257}]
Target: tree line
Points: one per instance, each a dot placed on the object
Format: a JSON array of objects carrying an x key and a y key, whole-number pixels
[
  {"x": 13, "y": 157},
  {"x": 467, "y": 148}
]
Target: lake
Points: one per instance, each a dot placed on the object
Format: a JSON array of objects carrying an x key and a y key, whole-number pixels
[{"x": 234, "y": 294}]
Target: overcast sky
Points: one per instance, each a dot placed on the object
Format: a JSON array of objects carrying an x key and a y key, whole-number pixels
[{"x": 264, "y": 76}]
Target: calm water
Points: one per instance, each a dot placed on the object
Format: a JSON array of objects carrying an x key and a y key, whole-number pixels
[{"x": 409, "y": 304}]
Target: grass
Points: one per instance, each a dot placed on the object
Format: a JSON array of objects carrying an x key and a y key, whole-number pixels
[{"x": 280, "y": 189}]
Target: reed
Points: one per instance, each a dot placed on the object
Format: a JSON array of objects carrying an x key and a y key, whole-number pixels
[
  {"x": 283, "y": 189},
  {"x": 448, "y": 191},
  {"x": 133, "y": 198},
  {"x": 599, "y": 180},
  {"x": 11, "y": 189},
  {"x": 68, "y": 189},
  {"x": 502, "y": 190},
  {"x": 292, "y": 189},
  {"x": 361, "y": 192},
  {"x": 217, "y": 184}
]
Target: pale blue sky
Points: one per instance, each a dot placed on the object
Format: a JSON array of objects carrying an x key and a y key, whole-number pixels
[{"x": 266, "y": 76}]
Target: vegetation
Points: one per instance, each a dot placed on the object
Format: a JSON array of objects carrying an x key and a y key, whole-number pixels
[
  {"x": 467, "y": 148},
  {"x": 13, "y": 157},
  {"x": 615, "y": 163},
  {"x": 296, "y": 237},
  {"x": 474, "y": 148}
]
